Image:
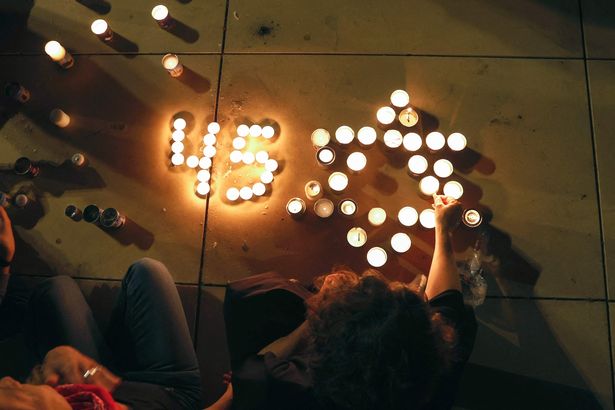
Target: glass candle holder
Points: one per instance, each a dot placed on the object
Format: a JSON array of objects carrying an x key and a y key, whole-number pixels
[{"x": 171, "y": 63}]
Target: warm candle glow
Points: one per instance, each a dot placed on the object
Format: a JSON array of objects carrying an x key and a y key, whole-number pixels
[
  {"x": 295, "y": 207},
  {"x": 344, "y": 135},
  {"x": 429, "y": 185},
  {"x": 55, "y": 50},
  {"x": 160, "y": 12},
  {"x": 178, "y": 135},
  {"x": 320, "y": 137},
  {"x": 457, "y": 141},
  {"x": 400, "y": 98},
  {"x": 177, "y": 147},
  {"x": 59, "y": 118},
  {"x": 408, "y": 117},
  {"x": 246, "y": 193},
  {"x": 428, "y": 218},
  {"x": 179, "y": 124},
  {"x": 376, "y": 216},
  {"x": 454, "y": 189},
  {"x": 239, "y": 143},
  {"x": 401, "y": 242},
  {"x": 417, "y": 164},
  {"x": 247, "y": 158},
  {"x": 443, "y": 168},
  {"x": 367, "y": 136},
  {"x": 393, "y": 139},
  {"x": 325, "y": 156},
  {"x": 471, "y": 218},
  {"x": 313, "y": 190},
  {"x": 262, "y": 157},
  {"x": 259, "y": 189},
  {"x": 192, "y": 161},
  {"x": 385, "y": 115},
  {"x": 213, "y": 128},
  {"x": 209, "y": 151},
  {"x": 236, "y": 157},
  {"x": 203, "y": 175},
  {"x": 256, "y": 130},
  {"x": 271, "y": 165},
  {"x": 408, "y": 216},
  {"x": 338, "y": 181},
  {"x": 177, "y": 159},
  {"x": 205, "y": 163},
  {"x": 232, "y": 194},
  {"x": 376, "y": 257},
  {"x": 356, "y": 161},
  {"x": 356, "y": 237},
  {"x": 323, "y": 208},
  {"x": 435, "y": 141},
  {"x": 99, "y": 27},
  {"x": 171, "y": 63},
  {"x": 78, "y": 159},
  {"x": 348, "y": 207},
  {"x": 210, "y": 139},
  {"x": 412, "y": 141},
  {"x": 268, "y": 131},
  {"x": 203, "y": 188},
  {"x": 266, "y": 177},
  {"x": 243, "y": 130}
]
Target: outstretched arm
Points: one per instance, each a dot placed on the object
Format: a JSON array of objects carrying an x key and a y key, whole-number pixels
[{"x": 7, "y": 250}]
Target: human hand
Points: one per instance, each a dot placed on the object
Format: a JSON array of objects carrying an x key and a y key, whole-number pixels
[
  {"x": 448, "y": 212},
  {"x": 17, "y": 396},
  {"x": 7, "y": 240}
]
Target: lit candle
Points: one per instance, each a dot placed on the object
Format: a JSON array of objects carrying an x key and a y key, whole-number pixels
[
  {"x": 428, "y": 218},
  {"x": 236, "y": 157},
  {"x": 192, "y": 161},
  {"x": 213, "y": 128},
  {"x": 102, "y": 30},
  {"x": 203, "y": 175},
  {"x": 209, "y": 151},
  {"x": 59, "y": 118},
  {"x": 338, "y": 181},
  {"x": 262, "y": 157},
  {"x": 385, "y": 115},
  {"x": 457, "y": 141},
  {"x": 78, "y": 159},
  {"x": 210, "y": 139},
  {"x": 171, "y": 63},
  {"x": 401, "y": 242},
  {"x": 256, "y": 130},
  {"x": 205, "y": 163},
  {"x": 325, "y": 156},
  {"x": 435, "y": 141},
  {"x": 232, "y": 194},
  {"x": 408, "y": 216},
  {"x": 443, "y": 168},
  {"x": 471, "y": 218},
  {"x": 177, "y": 147},
  {"x": 453, "y": 188},
  {"x": 347, "y": 207},
  {"x": 59, "y": 54},
  {"x": 356, "y": 161},
  {"x": 268, "y": 131},
  {"x": 247, "y": 158},
  {"x": 178, "y": 135},
  {"x": 239, "y": 143},
  {"x": 412, "y": 141},
  {"x": 246, "y": 193},
  {"x": 179, "y": 124},
  {"x": 376, "y": 257},
  {"x": 400, "y": 98},
  {"x": 161, "y": 14},
  {"x": 295, "y": 207},
  {"x": 313, "y": 190},
  {"x": 393, "y": 139},
  {"x": 366, "y": 136},
  {"x": 259, "y": 189},
  {"x": 266, "y": 177},
  {"x": 408, "y": 117},
  {"x": 271, "y": 165},
  {"x": 177, "y": 159},
  {"x": 203, "y": 188},
  {"x": 21, "y": 200},
  {"x": 320, "y": 137},
  {"x": 376, "y": 216},
  {"x": 243, "y": 130},
  {"x": 417, "y": 164},
  {"x": 356, "y": 237},
  {"x": 344, "y": 135},
  {"x": 429, "y": 185},
  {"x": 323, "y": 208}
]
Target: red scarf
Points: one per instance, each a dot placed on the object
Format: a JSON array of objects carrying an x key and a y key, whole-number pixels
[{"x": 87, "y": 397}]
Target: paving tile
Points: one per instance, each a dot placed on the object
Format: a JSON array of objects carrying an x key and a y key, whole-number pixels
[
  {"x": 524, "y": 28},
  {"x": 598, "y": 18},
  {"x": 522, "y": 118},
  {"x": 28, "y": 25},
  {"x": 121, "y": 110},
  {"x": 538, "y": 355},
  {"x": 211, "y": 343},
  {"x": 601, "y": 80}
]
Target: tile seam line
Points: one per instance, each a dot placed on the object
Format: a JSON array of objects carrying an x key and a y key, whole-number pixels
[
  {"x": 207, "y": 202},
  {"x": 598, "y": 198},
  {"x": 94, "y": 278}
]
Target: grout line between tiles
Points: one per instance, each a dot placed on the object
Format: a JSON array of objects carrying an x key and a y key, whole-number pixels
[
  {"x": 204, "y": 242},
  {"x": 598, "y": 199}
]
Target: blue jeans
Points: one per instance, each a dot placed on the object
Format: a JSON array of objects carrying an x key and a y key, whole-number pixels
[{"x": 148, "y": 343}]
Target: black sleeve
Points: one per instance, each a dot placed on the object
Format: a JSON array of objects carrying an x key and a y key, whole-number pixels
[{"x": 145, "y": 396}]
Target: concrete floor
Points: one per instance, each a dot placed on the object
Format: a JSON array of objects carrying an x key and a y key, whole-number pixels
[{"x": 530, "y": 83}]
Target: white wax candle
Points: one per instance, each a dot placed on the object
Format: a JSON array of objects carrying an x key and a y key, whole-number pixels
[
  {"x": 232, "y": 194},
  {"x": 400, "y": 98},
  {"x": 344, "y": 135},
  {"x": 376, "y": 257},
  {"x": 412, "y": 141},
  {"x": 429, "y": 185},
  {"x": 356, "y": 237},
  {"x": 320, "y": 137},
  {"x": 417, "y": 164},
  {"x": 401, "y": 242},
  {"x": 160, "y": 12},
  {"x": 376, "y": 216},
  {"x": 435, "y": 141},
  {"x": 428, "y": 218},
  {"x": 101, "y": 29},
  {"x": 393, "y": 139},
  {"x": 457, "y": 141},
  {"x": 348, "y": 207},
  {"x": 453, "y": 188},
  {"x": 408, "y": 117},
  {"x": 295, "y": 207},
  {"x": 408, "y": 216},
  {"x": 443, "y": 168},
  {"x": 366, "y": 136},
  {"x": 338, "y": 181},
  {"x": 385, "y": 115},
  {"x": 323, "y": 208},
  {"x": 59, "y": 54},
  {"x": 325, "y": 156},
  {"x": 171, "y": 63},
  {"x": 356, "y": 161},
  {"x": 59, "y": 118},
  {"x": 313, "y": 190}
]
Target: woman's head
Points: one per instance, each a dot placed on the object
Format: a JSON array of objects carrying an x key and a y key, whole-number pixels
[{"x": 375, "y": 344}]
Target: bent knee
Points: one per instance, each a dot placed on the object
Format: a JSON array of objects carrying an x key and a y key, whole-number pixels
[{"x": 148, "y": 269}]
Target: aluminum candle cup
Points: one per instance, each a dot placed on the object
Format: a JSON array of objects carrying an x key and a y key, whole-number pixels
[
  {"x": 412, "y": 141},
  {"x": 471, "y": 218},
  {"x": 393, "y": 139},
  {"x": 356, "y": 161},
  {"x": 59, "y": 54},
  {"x": 171, "y": 63},
  {"x": 4, "y": 200},
  {"x": 443, "y": 168},
  {"x": 102, "y": 30},
  {"x": 356, "y": 237},
  {"x": 428, "y": 218},
  {"x": 401, "y": 242},
  {"x": 408, "y": 216},
  {"x": 91, "y": 214},
  {"x": 320, "y": 138},
  {"x": 323, "y": 208},
  {"x": 366, "y": 136},
  {"x": 24, "y": 166},
  {"x": 453, "y": 189},
  {"x": 325, "y": 156},
  {"x": 435, "y": 141},
  {"x": 400, "y": 98},
  {"x": 112, "y": 219},
  {"x": 313, "y": 190},
  {"x": 376, "y": 216},
  {"x": 417, "y": 165},
  {"x": 376, "y": 257},
  {"x": 295, "y": 207},
  {"x": 338, "y": 181},
  {"x": 344, "y": 135},
  {"x": 161, "y": 14},
  {"x": 385, "y": 115},
  {"x": 73, "y": 213},
  {"x": 17, "y": 92},
  {"x": 457, "y": 141},
  {"x": 347, "y": 207},
  {"x": 429, "y": 185},
  {"x": 78, "y": 160},
  {"x": 408, "y": 117}
]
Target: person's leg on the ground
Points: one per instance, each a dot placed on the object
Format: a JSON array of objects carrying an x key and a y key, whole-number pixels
[{"x": 148, "y": 333}]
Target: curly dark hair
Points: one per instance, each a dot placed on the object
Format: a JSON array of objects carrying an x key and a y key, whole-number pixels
[{"x": 375, "y": 344}]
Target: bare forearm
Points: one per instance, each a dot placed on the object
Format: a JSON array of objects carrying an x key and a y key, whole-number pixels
[{"x": 443, "y": 274}]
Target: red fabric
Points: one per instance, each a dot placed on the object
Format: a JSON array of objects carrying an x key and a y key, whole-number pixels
[{"x": 87, "y": 397}]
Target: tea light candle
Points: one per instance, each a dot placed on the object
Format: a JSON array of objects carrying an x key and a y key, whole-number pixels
[
  {"x": 266, "y": 177},
  {"x": 356, "y": 237},
  {"x": 239, "y": 143},
  {"x": 376, "y": 216},
  {"x": 59, "y": 54},
  {"x": 59, "y": 118},
  {"x": 236, "y": 157},
  {"x": 376, "y": 257},
  {"x": 313, "y": 190},
  {"x": 412, "y": 141},
  {"x": 246, "y": 193},
  {"x": 428, "y": 218},
  {"x": 429, "y": 185},
  {"x": 256, "y": 130},
  {"x": 356, "y": 161},
  {"x": 435, "y": 141},
  {"x": 393, "y": 139},
  {"x": 179, "y": 123},
  {"x": 192, "y": 161},
  {"x": 401, "y": 242},
  {"x": 78, "y": 159},
  {"x": 453, "y": 188},
  {"x": 205, "y": 163},
  {"x": 471, "y": 218},
  {"x": 213, "y": 128},
  {"x": 323, "y": 208},
  {"x": 243, "y": 130},
  {"x": 102, "y": 30},
  {"x": 209, "y": 151},
  {"x": 325, "y": 156},
  {"x": 177, "y": 147},
  {"x": 259, "y": 189},
  {"x": 178, "y": 135},
  {"x": 247, "y": 158},
  {"x": 295, "y": 207},
  {"x": 21, "y": 200},
  {"x": 268, "y": 132},
  {"x": 160, "y": 13},
  {"x": 177, "y": 159},
  {"x": 457, "y": 141},
  {"x": 271, "y": 165},
  {"x": 171, "y": 63},
  {"x": 417, "y": 164},
  {"x": 203, "y": 188},
  {"x": 338, "y": 181},
  {"x": 232, "y": 194},
  {"x": 320, "y": 137},
  {"x": 203, "y": 175},
  {"x": 400, "y": 98},
  {"x": 366, "y": 136},
  {"x": 210, "y": 139},
  {"x": 385, "y": 115},
  {"x": 408, "y": 216},
  {"x": 443, "y": 168},
  {"x": 408, "y": 117},
  {"x": 344, "y": 135},
  {"x": 347, "y": 207},
  {"x": 262, "y": 157}
]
